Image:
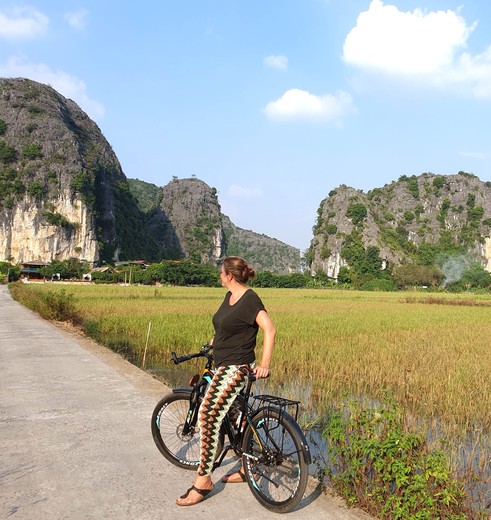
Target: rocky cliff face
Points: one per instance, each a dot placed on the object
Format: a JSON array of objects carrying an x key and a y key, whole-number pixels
[
  {"x": 192, "y": 208},
  {"x": 186, "y": 220},
  {"x": 25, "y": 233},
  {"x": 451, "y": 211},
  {"x": 61, "y": 185},
  {"x": 64, "y": 195}
]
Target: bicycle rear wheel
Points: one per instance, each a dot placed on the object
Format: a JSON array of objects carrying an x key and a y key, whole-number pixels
[{"x": 274, "y": 461}]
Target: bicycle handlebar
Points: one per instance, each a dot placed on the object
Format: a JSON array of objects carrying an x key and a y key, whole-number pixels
[{"x": 204, "y": 352}]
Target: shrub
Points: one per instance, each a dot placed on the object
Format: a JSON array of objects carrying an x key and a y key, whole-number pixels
[
  {"x": 59, "y": 306},
  {"x": 357, "y": 212},
  {"x": 57, "y": 219},
  {"x": 408, "y": 216},
  {"x": 387, "y": 471},
  {"x": 51, "y": 305},
  {"x": 7, "y": 153},
  {"x": 32, "y": 151},
  {"x": 331, "y": 229},
  {"x": 35, "y": 189},
  {"x": 325, "y": 252},
  {"x": 10, "y": 272},
  {"x": 379, "y": 284},
  {"x": 83, "y": 183},
  {"x": 438, "y": 182},
  {"x": 412, "y": 186}
]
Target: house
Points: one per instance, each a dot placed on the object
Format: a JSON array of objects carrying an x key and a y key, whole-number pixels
[{"x": 30, "y": 270}]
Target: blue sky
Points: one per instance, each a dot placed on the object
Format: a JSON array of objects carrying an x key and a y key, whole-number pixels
[{"x": 273, "y": 102}]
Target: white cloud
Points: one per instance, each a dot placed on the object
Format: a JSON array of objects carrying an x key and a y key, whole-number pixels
[
  {"x": 300, "y": 104},
  {"x": 427, "y": 46},
  {"x": 405, "y": 42},
  {"x": 241, "y": 192},
  {"x": 77, "y": 19},
  {"x": 23, "y": 23},
  {"x": 276, "y": 62},
  {"x": 473, "y": 72},
  {"x": 68, "y": 85}
]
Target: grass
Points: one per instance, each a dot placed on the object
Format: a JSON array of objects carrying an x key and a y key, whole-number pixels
[{"x": 433, "y": 355}]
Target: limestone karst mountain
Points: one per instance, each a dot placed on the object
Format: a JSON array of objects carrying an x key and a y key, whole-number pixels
[
  {"x": 63, "y": 194},
  {"x": 404, "y": 220},
  {"x": 62, "y": 190},
  {"x": 186, "y": 220}
]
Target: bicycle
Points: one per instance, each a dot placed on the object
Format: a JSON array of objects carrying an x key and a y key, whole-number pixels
[{"x": 262, "y": 430}]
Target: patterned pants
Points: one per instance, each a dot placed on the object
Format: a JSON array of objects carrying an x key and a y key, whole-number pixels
[{"x": 226, "y": 384}]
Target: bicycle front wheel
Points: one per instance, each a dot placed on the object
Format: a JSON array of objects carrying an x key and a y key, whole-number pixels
[
  {"x": 168, "y": 420},
  {"x": 273, "y": 460}
]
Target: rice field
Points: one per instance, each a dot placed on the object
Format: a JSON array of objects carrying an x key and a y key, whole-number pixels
[{"x": 432, "y": 353}]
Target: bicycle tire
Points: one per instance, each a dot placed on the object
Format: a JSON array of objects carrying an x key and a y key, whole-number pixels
[
  {"x": 277, "y": 473},
  {"x": 167, "y": 421}
]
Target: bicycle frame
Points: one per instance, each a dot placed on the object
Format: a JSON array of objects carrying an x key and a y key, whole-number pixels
[
  {"x": 198, "y": 387},
  {"x": 235, "y": 435}
]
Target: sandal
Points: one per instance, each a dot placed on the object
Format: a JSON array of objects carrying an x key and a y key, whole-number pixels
[
  {"x": 237, "y": 480},
  {"x": 202, "y": 492}
]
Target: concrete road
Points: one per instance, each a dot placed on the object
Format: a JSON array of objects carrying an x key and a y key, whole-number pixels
[{"x": 75, "y": 439}]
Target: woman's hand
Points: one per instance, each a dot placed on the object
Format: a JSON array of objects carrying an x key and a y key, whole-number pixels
[{"x": 260, "y": 372}]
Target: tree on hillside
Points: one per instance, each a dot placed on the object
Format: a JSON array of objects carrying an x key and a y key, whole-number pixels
[{"x": 411, "y": 275}]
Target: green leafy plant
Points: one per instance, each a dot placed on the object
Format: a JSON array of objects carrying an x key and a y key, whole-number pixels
[
  {"x": 331, "y": 229},
  {"x": 57, "y": 219},
  {"x": 412, "y": 186},
  {"x": 438, "y": 182},
  {"x": 83, "y": 183},
  {"x": 357, "y": 212},
  {"x": 7, "y": 153},
  {"x": 35, "y": 189},
  {"x": 389, "y": 472},
  {"x": 32, "y": 151},
  {"x": 51, "y": 305}
]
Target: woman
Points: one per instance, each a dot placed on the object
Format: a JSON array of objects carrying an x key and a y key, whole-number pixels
[{"x": 236, "y": 324}]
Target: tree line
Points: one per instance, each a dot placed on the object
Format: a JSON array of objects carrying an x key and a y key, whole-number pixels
[{"x": 365, "y": 271}]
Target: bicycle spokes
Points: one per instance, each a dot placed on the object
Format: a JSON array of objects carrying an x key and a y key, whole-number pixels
[{"x": 274, "y": 461}]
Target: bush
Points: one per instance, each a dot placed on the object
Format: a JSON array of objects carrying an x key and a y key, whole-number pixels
[
  {"x": 59, "y": 306},
  {"x": 357, "y": 212},
  {"x": 438, "y": 182},
  {"x": 32, "y": 151},
  {"x": 379, "y": 284},
  {"x": 331, "y": 229},
  {"x": 51, "y": 305},
  {"x": 388, "y": 472},
  {"x": 7, "y": 270},
  {"x": 35, "y": 189},
  {"x": 7, "y": 153}
]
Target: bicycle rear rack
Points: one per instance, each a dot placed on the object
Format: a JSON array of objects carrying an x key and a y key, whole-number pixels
[{"x": 280, "y": 403}]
